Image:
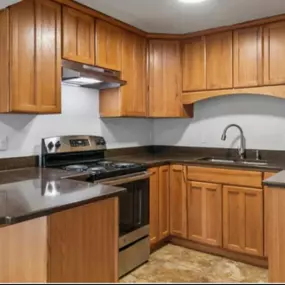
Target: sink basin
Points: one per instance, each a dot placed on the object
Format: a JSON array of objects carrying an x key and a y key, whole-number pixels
[
  {"x": 257, "y": 163},
  {"x": 218, "y": 160},
  {"x": 231, "y": 161}
]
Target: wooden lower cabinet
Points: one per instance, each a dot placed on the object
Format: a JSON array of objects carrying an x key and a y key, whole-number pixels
[
  {"x": 153, "y": 205},
  {"x": 159, "y": 204},
  {"x": 164, "y": 202},
  {"x": 83, "y": 243},
  {"x": 243, "y": 220},
  {"x": 178, "y": 201},
  {"x": 205, "y": 213},
  {"x": 23, "y": 248}
]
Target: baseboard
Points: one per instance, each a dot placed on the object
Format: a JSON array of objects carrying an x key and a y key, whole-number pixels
[
  {"x": 160, "y": 244},
  {"x": 252, "y": 260}
]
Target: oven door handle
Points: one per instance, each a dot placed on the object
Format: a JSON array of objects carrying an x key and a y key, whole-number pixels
[{"x": 125, "y": 178}]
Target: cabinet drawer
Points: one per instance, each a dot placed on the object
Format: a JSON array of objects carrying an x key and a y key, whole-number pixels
[{"x": 225, "y": 176}]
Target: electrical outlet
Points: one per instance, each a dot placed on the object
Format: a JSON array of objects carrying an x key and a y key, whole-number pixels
[{"x": 3, "y": 143}]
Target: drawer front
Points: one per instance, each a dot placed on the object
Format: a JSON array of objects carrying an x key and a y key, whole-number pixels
[{"x": 225, "y": 176}]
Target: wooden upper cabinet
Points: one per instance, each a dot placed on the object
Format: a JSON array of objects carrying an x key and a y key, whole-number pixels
[
  {"x": 164, "y": 79},
  {"x": 205, "y": 213},
  {"x": 78, "y": 36},
  {"x": 219, "y": 61},
  {"x": 35, "y": 58},
  {"x": 108, "y": 45},
  {"x": 243, "y": 220},
  {"x": 154, "y": 205},
  {"x": 194, "y": 65},
  {"x": 48, "y": 56},
  {"x": 248, "y": 57},
  {"x": 274, "y": 46},
  {"x": 22, "y": 57},
  {"x": 163, "y": 202},
  {"x": 178, "y": 202},
  {"x": 134, "y": 72}
]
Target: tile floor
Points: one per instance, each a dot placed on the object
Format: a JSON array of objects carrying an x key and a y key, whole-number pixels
[{"x": 177, "y": 264}]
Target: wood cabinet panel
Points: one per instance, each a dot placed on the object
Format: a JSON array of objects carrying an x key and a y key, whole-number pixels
[
  {"x": 84, "y": 243},
  {"x": 48, "y": 56},
  {"x": 23, "y": 250},
  {"x": 164, "y": 79},
  {"x": 108, "y": 45},
  {"x": 219, "y": 60},
  {"x": 194, "y": 65},
  {"x": 4, "y": 61},
  {"x": 78, "y": 36},
  {"x": 225, "y": 176},
  {"x": 205, "y": 213},
  {"x": 22, "y": 58},
  {"x": 134, "y": 72},
  {"x": 178, "y": 201},
  {"x": 163, "y": 202},
  {"x": 243, "y": 220},
  {"x": 248, "y": 57},
  {"x": 266, "y": 190},
  {"x": 154, "y": 205},
  {"x": 274, "y": 45}
]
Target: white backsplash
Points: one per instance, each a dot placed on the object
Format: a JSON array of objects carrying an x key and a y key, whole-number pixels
[{"x": 261, "y": 117}]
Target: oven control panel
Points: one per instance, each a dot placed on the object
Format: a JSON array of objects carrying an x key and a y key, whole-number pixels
[{"x": 72, "y": 144}]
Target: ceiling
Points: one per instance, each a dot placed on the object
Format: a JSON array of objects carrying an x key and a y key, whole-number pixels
[
  {"x": 5, "y": 3},
  {"x": 171, "y": 16}
]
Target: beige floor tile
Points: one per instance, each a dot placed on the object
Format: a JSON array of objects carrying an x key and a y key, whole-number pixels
[{"x": 174, "y": 264}]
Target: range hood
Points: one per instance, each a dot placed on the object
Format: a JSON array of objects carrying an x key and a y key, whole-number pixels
[{"x": 89, "y": 76}]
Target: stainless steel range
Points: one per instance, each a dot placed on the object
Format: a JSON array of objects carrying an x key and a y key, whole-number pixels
[{"x": 83, "y": 158}]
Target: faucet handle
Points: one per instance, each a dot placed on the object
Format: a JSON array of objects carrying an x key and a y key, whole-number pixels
[{"x": 257, "y": 155}]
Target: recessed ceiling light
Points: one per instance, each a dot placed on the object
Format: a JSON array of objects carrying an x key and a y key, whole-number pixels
[{"x": 191, "y": 1}]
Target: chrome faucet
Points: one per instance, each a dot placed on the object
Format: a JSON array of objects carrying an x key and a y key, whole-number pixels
[{"x": 241, "y": 150}]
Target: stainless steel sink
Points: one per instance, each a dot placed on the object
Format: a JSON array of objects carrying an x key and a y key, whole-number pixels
[
  {"x": 217, "y": 160},
  {"x": 232, "y": 161}
]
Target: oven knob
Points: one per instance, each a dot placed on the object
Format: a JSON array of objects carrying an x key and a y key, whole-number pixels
[
  {"x": 50, "y": 145},
  {"x": 58, "y": 144}
]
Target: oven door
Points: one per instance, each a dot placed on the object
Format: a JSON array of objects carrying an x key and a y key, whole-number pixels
[{"x": 133, "y": 207}]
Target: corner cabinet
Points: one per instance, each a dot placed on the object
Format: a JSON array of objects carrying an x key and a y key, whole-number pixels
[
  {"x": 165, "y": 79},
  {"x": 129, "y": 100},
  {"x": 78, "y": 36},
  {"x": 30, "y": 57},
  {"x": 159, "y": 204},
  {"x": 178, "y": 201}
]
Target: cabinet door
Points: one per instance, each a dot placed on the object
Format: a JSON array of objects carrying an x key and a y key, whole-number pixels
[
  {"x": 205, "y": 213},
  {"x": 78, "y": 36},
  {"x": 163, "y": 202},
  {"x": 134, "y": 72},
  {"x": 274, "y": 45},
  {"x": 248, "y": 57},
  {"x": 154, "y": 206},
  {"x": 266, "y": 226},
  {"x": 219, "y": 61},
  {"x": 22, "y": 58},
  {"x": 108, "y": 45},
  {"x": 178, "y": 202},
  {"x": 164, "y": 79},
  {"x": 48, "y": 56},
  {"x": 243, "y": 220},
  {"x": 194, "y": 65}
]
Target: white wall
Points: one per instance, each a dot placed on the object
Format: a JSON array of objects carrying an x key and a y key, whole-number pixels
[
  {"x": 262, "y": 119},
  {"x": 80, "y": 115}
]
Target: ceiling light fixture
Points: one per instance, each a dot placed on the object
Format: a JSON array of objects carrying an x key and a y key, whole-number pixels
[{"x": 191, "y": 1}]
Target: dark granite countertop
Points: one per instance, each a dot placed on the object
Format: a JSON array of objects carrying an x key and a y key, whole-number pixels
[
  {"x": 34, "y": 192},
  {"x": 192, "y": 159}
]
